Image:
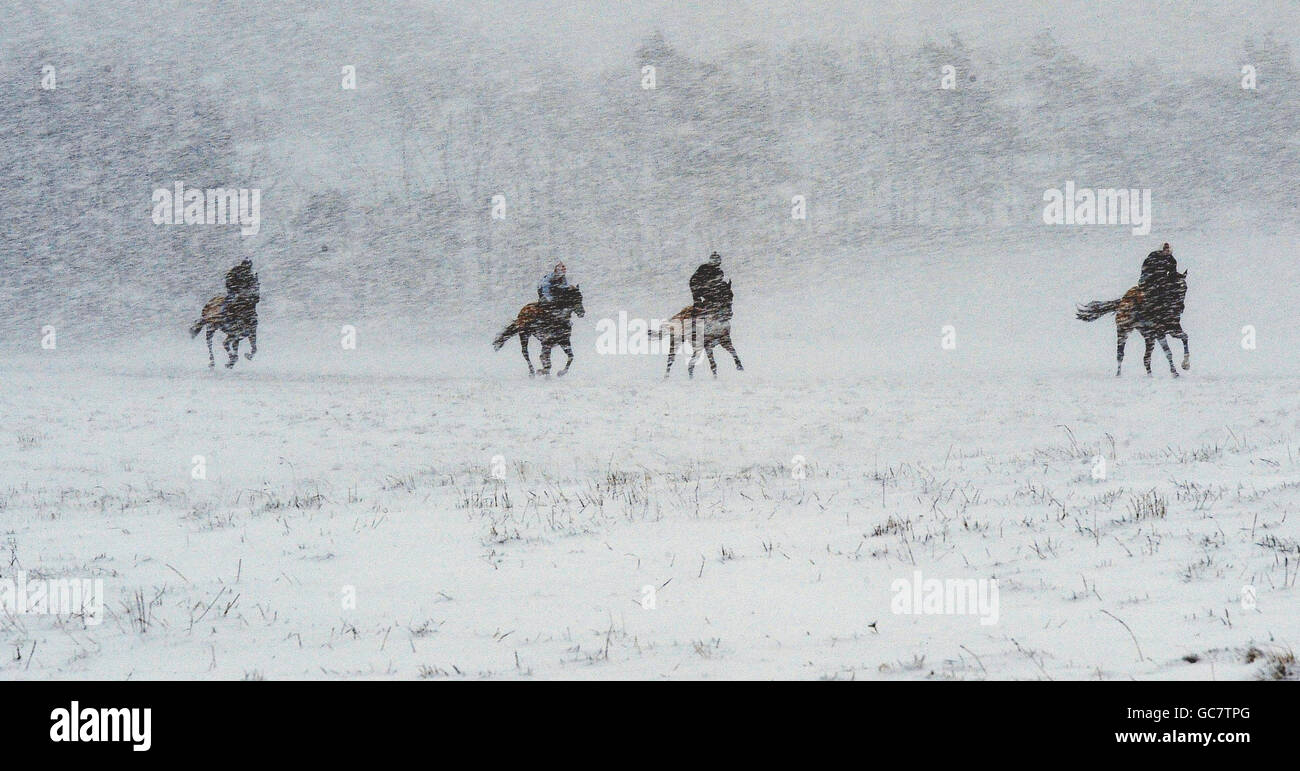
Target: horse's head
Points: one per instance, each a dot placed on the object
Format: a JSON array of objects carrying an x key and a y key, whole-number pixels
[
  {"x": 255, "y": 290},
  {"x": 1172, "y": 296},
  {"x": 725, "y": 296},
  {"x": 570, "y": 300}
]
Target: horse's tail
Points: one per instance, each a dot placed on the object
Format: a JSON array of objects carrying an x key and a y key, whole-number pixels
[
  {"x": 674, "y": 328},
  {"x": 506, "y": 334},
  {"x": 1095, "y": 310}
]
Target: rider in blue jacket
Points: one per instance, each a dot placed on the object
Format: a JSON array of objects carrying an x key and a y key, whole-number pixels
[{"x": 553, "y": 281}]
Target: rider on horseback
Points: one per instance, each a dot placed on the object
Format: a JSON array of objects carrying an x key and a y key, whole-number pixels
[
  {"x": 1159, "y": 270},
  {"x": 1158, "y": 267},
  {"x": 239, "y": 281},
  {"x": 707, "y": 287},
  {"x": 551, "y": 285}
]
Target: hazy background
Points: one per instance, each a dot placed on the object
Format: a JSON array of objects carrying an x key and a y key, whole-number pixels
[{"x": 924, "y": 205}]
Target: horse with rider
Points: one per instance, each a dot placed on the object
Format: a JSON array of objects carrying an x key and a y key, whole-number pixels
[
  {"x": 1153, "y": 308},
  {"x": 234, "y": 313}
]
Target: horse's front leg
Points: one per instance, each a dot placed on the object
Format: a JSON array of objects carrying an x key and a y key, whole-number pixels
[
  {"x": 546, "y": 358},
  {"x": 1121, "y": 337},
  {"x": 725, "y": 342},
  {"x": 568, "y": 351},
  {"x": 1187, "y": 351},
  {"x": 252, "y": 345},
  {"x": 1146, "y": 357},
  {"x": 232, "y": 348},
  {"x": 713, "y": 365},
  {"x": 523, "y": 345},
  {"x": 1168, "y": 355}
]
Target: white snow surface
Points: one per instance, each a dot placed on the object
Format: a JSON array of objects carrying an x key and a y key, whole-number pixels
[{"x": 367, "y": 473}]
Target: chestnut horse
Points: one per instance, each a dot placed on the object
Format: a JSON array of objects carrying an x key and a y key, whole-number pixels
[
  {"x": 550, "y": 323},
  {"x": 706, "y": 327},
  {"x": 1154, "y": 313},
  {"x": 237, "y": 319}
]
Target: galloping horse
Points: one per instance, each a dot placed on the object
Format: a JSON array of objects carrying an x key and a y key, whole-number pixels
[
  {"x": 706, "y": 327},
  {"x": 1154, "y": 313},
  {"x": 238, "y": 320},
  {"x": 550, "y": 324}
]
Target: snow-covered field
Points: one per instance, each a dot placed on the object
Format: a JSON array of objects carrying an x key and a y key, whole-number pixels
[
  {"x": 352, "y": 522},
  {"x": 926, "y": 470}
]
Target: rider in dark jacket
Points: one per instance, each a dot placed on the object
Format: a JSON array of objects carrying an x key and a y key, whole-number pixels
[
  {"x": 707, "y": 284},
  {"x": 1158, "y": 268},
  {"x": 240, "y": 278},
  {"x": 239, "y": 281},
  {"x": 1159, "y": 275}
]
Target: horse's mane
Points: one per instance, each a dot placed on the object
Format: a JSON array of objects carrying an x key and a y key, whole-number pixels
[
  {"x": 242, "y": 307},
  {"x": 724, "y": 298},
  {"x": 568, "y": 295}
]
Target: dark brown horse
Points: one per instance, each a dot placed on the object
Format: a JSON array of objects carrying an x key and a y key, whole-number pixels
[
  {"x": 1154, "y": 312},
  {"x": 550, "y": 323},
  {"x": 236, "y": 318}
]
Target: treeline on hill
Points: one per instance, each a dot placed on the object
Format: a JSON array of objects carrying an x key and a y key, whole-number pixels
[{"x": 380, "y": 200}]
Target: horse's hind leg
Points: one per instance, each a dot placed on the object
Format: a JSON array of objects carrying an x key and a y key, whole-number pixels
[
  {"x": 713, "y": 365},
  {"x": 212, "y": 361},
  {"x": 1146, "y": 357},
  {"x": 1168, "y": 355},
  {"x": 672, "y": 353},
  {"x": 523, "y": 345},
  {"x": 568, "y": 351},
  {"x": 725, "y": 342}
]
